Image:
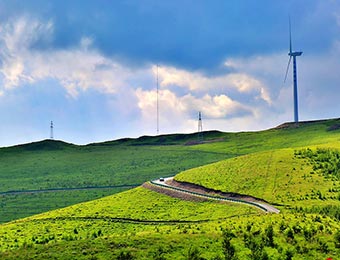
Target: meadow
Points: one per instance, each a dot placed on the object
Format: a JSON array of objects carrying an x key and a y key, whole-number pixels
[
  {"x": 113, "y": 228},
  {"x": 143, "y": 224},
  {"x": 57, "y": 165},
  {"x": 277, "y": 176},
  {"x": 50, "y": 165}
]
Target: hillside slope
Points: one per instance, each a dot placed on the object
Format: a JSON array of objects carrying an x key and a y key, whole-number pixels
[
  {"x": 142, "y": 224},
  {"x": 277, "y": 176},
  {"x": 59, "y": 169},
  {"x": 47, "y": 175}
]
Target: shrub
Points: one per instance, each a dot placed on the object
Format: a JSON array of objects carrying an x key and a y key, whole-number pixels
[
  {"x": 228, "y": 248},
  {"x": 290, "y": 235},
  {"x": 269, "y": 236},
  {"x": 289, "y": 254},
  {"x": 194, "y": 254},
  {"x": 337, "y": 239},
  {"x": 159, "y": 254},
  {"x": 125, "y": 256}
]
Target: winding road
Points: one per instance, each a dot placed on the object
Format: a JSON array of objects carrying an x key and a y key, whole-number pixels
[{"x": 166, "y": 184}]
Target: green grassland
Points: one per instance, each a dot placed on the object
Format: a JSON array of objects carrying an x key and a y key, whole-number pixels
[
  {"x": 57, "y": 165},
  {"x": 104, "y": 228},
  {"x": 66, "y": 166},
  {"x": 27, "y": 204},
  {"x": 276, "y": 176},
  {"x": 155, "y": 206},
  {"x": 288, "y": 135},
  {"x": 119, "y": 215},
  {"x": 142, "y": 224}
]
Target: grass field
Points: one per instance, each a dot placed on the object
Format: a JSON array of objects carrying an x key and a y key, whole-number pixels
[
  {"x": 53, "y": 164},
  {"x": 126, "y": 209},
  {"x": 276, "y": 176},
  {"x": 27, "y": 204},
  {"x": 288, "y": 136},
  {"x": 90, "y": 231},
  {"x": 142, "y": 224}
]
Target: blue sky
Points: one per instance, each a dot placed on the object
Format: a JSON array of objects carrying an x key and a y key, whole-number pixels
[{"x": 90, "y": 66}]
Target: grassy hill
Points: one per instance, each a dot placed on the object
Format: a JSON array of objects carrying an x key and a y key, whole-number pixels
[
  {"x": 59, "y": 169},
  {"x": 142, "y": 224},
  {"x": 274, "y": 165},
  {"x": 277, "y": 176},
  {"x": 288, "y": 135}
]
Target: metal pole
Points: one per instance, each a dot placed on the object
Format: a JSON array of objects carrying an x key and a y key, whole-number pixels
[
  {"x": 51, "y": 134},
  {"x": 157, "y": 103}
]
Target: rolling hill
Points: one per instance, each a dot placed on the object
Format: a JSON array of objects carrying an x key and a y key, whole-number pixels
[
  {"x": 47, "y": 175},
  {"x": 294, "y": 167},
  {"x": 277, "y": 176}
]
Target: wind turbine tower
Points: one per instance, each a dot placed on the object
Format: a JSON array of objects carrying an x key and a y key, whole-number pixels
[{"x": 293, "y": 54}]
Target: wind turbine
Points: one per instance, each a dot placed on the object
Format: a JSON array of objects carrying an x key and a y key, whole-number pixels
[{"x": 294, "y": 55}]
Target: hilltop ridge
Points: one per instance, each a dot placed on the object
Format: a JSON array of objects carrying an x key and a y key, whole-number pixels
[
  {"x": 332, "y": 124},
  {"x": 142, "y": 224}
]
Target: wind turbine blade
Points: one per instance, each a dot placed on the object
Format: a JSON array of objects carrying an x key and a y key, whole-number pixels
[
  {"x": 290, "y": 37},
  {"x": 290, "y": 58}
]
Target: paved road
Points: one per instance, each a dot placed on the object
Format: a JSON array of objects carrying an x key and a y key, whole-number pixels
[{"x": 259, "y": 204}]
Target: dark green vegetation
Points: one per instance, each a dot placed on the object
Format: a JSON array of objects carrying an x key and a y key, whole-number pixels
[
  {"x": 142, "y": 224},
  {"x": 324, "y": 161},
  {"x": 54, "y": 165},
  {"x": 301, "y": 236},
  {"x": 26, "y": 204},
  {"x": 275, "y": 176}
]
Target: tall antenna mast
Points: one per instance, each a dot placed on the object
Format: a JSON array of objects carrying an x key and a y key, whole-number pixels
[
  {"x": 200, "y": 127},
  {"x": 157, "y": 103},
  {"x": 51, "y": 133}
]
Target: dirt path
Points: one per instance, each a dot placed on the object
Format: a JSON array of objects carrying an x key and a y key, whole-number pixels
[{"x": 194, "y": 192}]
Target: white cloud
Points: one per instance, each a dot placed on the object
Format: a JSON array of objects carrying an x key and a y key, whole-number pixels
[
  {"x": 16, "y": 37},
  {"x": 179, "y": 110},
  {"x": 172, "y": 109},
  {"x": 250, "y": 96},
  {"x": 79, "y": 70},
  {"x": 83, "y": 67},
  {"x": 197, "y": 82},
  {"x": 76, "y": 69},
  {"x": 219, "y": 106}
]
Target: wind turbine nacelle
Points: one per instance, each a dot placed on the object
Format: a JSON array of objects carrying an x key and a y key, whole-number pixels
[{"x": 296, "y": 53}]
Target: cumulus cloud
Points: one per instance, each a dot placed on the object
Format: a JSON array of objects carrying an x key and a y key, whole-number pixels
[
  {"x": 252, "y": 92},
  {"x": 171, "y": 108},
  {"x": 16, "y": 37},
  {"x": 182, "y": 110},
  {"x": 83, "y": 67},
  {"x": 76, "y": 69},
  {"x": 197, "y": 82},
  {"x": 219, "y": 106}
]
